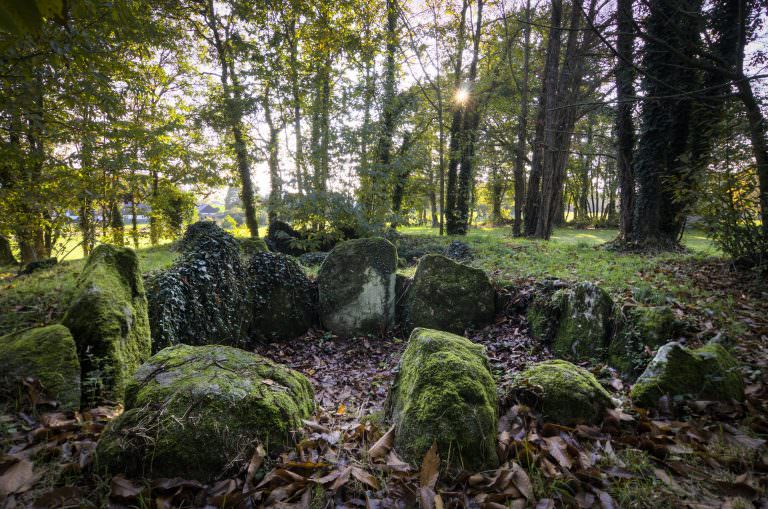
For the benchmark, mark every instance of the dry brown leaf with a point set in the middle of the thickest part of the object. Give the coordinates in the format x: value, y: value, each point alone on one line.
x: 430, y: 468
x: 545, y: 503
x: 256, y: 461
x: 557, y: 447
x: 365, y: 477
x: 522, y: 481
x: 124, y: 489
x: 383, y: 445
x: 427, y: 497
x: 18, y: 477
x: 58, y: 497
x: 342, y: 479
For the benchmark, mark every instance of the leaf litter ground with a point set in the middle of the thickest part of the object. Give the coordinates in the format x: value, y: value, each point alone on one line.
x: 703, y: 455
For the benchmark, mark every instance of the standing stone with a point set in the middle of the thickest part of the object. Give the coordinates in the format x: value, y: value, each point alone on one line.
x: 47, y: 354
x: 449, y: 296
x: 444, y: 393
x: 640, y: 330
x: 108, y: 319
x: 356, y: 283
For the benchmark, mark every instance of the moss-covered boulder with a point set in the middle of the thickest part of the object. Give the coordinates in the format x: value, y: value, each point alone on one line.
x: 108, y: 319
x: 198, y: 412
x: 577, y: 322
x: 47, y: 354
x: 283, y: 238
x: 562, y: 393
x: 356, y: 285
x: 281, y: 297
x: 639, y: 331
x: 707, y: 373
x: 444, y: 392
x: 202, y: 299
x: 252, y: 245
x: 449, y: 296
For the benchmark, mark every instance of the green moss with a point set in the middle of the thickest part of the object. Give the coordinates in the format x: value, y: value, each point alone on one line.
x: 252, y: 245
x: 198, y: 412
x: 356, y: 284
x: 449, y: 296
x: 562, y: 392
x: 444, y: 392
x: 707, y: 373
x: 638, y: 330
x: 47, y: 354
x: 108, y: 320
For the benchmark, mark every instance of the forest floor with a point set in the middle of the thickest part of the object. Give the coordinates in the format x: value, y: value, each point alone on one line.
x: 705, y: 456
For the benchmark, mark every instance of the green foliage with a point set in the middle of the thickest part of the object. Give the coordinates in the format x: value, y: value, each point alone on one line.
x: 229, y: 223
x: 173, y: 208
x: 23, y: 17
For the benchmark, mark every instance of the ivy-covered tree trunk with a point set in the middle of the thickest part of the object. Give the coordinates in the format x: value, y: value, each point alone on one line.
x: 625, y: 129
x: 296, y: 105
x: 387, y: 129
x: 672, y: 29
x: 275, y: 183
x: 116, y: 224
x: 456, y: 132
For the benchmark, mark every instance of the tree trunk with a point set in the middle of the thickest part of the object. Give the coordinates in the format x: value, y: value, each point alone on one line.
x: 757, y: 126
x: 296, y: 104
x: 233, y: 103
x: 625, y: 130
x: 386, y: 132
x: 659, y: 163
x: 548, y: 89
x: 522, y: 126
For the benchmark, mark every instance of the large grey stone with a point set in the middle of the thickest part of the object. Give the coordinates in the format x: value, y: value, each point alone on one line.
x: 356, y: 284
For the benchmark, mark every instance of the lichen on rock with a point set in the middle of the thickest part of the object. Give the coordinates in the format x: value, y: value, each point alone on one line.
x: 108, y: 320
x: 46, y: 354
x: 356, y: 285
x: 640, y: 330
x: 444, y: 393
x: 202, y: 298
x: 281, y: 297
x: 198, y: 412
x: 577, y: 322
x: 252, y: 245
x: 706, y: 373
x: 561, y: 392
x: 449, y: 296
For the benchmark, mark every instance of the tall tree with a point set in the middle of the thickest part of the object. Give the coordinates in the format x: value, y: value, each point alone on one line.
x: 625, y: 130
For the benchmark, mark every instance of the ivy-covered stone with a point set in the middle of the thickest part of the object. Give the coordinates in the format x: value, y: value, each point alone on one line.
x: 561, y: 392
x: 356, y: 285
x: 458, y: 250
x: 198, y: 412
x: 444, y: 393
x: 576, y: 321
x: 639, y: 331
x: 46, y: 354
x: 282, y: 237
x: 31, y: 267
x: 281, y: 297
x: 202, y: 299
x: 108, y: 319
x: 707, y: 373
x: 449, y: 296
x: 313, y: 258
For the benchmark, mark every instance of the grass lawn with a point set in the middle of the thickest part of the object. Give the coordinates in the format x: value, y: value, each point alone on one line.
x: 41, y: 298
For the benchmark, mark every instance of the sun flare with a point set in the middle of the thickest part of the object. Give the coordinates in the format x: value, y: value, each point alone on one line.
x: 461, y: 96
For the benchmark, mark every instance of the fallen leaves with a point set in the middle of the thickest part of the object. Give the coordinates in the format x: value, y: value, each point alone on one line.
x: 17, y: 475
